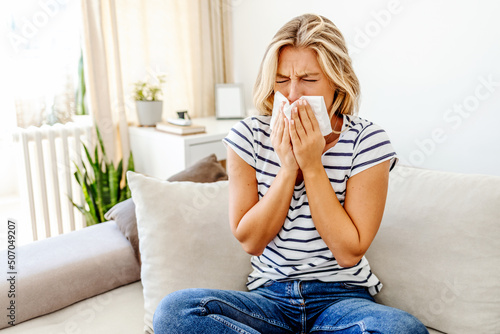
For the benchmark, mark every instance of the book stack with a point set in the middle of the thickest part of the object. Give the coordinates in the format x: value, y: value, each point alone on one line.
x: 180, y: 129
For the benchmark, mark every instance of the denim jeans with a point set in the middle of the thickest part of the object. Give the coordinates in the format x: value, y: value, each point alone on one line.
x: 281, y: 307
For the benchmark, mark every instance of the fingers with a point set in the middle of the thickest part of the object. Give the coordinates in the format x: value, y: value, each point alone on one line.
x: 297, y: 123
x: 286, y: 131
x: 280, y: 135
x: 307, y: 141
x: 304, y: 126
x: 295, y: 128
x: 307, y: 116
x: 284, y: 121
x: 280, y: 138
x: 280, y: 117
x: 278, y: 125
x: 312, y: 117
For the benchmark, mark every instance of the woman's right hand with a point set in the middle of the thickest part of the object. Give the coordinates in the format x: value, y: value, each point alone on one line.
x: 280, y: 139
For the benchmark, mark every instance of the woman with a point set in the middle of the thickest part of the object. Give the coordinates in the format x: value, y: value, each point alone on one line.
x: 306, y: 206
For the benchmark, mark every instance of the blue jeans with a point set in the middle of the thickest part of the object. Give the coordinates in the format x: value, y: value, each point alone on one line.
x: 281, y: 307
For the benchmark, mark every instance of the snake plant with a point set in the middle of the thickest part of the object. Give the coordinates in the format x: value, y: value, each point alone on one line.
x: 102, y: 184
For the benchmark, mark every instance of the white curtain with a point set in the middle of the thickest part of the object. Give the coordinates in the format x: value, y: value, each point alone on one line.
x: 188, y: 40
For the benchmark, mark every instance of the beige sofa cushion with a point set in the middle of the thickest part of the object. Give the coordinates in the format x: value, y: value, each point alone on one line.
x: 120, y: 310
x: 62, y: 270
x: 185, y: 239
x: 438, y: 249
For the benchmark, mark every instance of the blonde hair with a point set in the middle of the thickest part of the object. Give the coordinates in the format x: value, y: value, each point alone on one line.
x: 322, y: 36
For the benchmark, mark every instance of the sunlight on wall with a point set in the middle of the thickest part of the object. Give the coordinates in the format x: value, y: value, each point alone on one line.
x: 428, y: 70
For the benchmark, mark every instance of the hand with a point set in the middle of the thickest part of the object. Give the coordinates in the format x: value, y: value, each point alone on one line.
x: 280, y: 139
x: 307, y: 141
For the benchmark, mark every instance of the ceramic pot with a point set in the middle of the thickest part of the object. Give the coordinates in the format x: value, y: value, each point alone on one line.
x: 149, y: 112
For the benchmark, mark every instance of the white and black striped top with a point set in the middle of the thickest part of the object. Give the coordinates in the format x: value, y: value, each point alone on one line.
x: 298, y: 252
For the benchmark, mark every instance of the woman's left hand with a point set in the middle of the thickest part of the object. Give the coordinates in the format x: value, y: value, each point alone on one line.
x: 307, y: 141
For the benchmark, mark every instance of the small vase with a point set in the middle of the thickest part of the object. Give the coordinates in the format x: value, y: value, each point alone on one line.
x: 149, y: 112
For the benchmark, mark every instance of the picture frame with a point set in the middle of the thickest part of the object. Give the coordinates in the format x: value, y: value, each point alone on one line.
x: 229, y: 101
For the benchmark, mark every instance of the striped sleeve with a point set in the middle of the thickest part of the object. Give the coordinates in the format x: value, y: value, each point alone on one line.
x: 240, y: 139
x: 371, y: 147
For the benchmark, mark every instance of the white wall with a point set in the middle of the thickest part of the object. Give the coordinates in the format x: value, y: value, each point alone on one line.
x: 429, y: 71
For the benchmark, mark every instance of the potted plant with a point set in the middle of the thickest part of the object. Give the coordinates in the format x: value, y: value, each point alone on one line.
x: 103, y: 184
x: 147, y: 96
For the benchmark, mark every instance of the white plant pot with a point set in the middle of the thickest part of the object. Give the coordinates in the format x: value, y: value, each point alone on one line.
x: 149, y: 112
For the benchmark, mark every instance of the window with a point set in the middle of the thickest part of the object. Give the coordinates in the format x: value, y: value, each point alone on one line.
x: 43, y: 52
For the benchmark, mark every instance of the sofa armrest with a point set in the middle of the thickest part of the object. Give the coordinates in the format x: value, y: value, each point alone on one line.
x: 56, y: 272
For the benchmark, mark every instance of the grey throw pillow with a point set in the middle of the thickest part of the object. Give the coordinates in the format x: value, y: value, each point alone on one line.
x: 123, y: 214
x: 204, y: 171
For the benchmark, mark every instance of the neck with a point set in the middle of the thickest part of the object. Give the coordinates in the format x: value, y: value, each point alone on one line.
x: 333, y: 135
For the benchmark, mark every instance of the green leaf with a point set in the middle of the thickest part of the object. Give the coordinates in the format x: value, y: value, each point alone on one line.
x: 89, y: 158
x: 96, y: 163
x: 98, y: 186
x: 81, y: 89
x: 113, y: 184
x: 119, y: 178
x: 83, y: 180
x: 130, y: 164
x: 89, y: 219
x: 101, y: 144
x: 92, y: 201
x: 78, y: 175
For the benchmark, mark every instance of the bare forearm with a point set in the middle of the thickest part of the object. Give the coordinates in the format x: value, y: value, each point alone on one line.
x: 264, y: 220
x: 332, y: 222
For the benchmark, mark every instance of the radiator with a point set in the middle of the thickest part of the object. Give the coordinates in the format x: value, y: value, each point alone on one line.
x: 48, y: 157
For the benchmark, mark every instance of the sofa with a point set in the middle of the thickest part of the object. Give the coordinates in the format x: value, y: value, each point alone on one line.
x: 437, y: 253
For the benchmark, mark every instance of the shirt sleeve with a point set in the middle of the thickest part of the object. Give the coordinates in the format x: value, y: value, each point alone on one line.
x: 372, y: 146
x: 241, y: 140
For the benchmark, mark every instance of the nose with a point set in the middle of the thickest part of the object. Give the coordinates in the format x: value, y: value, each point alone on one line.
x: 294, y: 93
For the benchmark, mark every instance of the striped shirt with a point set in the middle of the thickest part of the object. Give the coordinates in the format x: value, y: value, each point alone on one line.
x: 298, y: 252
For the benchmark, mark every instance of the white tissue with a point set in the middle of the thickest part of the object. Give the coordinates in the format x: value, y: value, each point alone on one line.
x: 317, y: 104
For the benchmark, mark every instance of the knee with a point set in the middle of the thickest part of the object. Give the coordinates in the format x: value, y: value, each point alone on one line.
x: 165, y: 313
x: 407, y: 323
x: 172, y: 308
x: 390, y: 320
